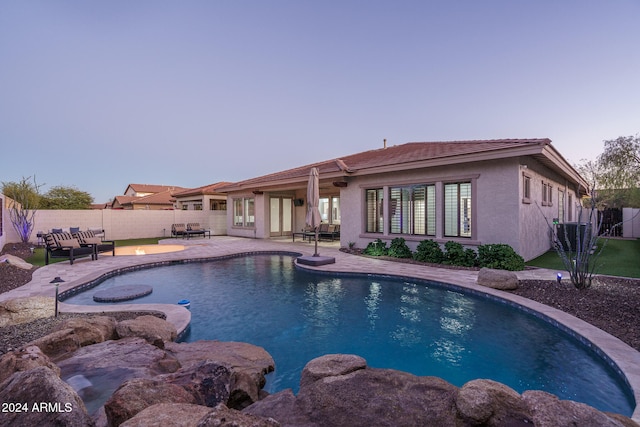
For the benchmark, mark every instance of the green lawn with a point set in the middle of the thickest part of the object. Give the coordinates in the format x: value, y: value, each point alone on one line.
x: 38, y: 254
x: 619, y: 258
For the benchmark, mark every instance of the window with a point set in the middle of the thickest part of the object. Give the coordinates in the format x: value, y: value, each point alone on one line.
x: 570, y: 209
x: 526, y: 188
x: 185, y: 207
x: 457, y: 209
x: 217, y: 205
x: 197, y: 206
x: 374, y: 199
x: 243, y: 212
x: 412, y: 210
x: 560, y: 206
x: 547, y: 194
x: 335, y: 210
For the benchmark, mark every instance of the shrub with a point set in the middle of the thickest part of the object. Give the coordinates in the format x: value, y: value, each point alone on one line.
x: 456, y: 254
x: 499, y: 256
x: 429, y: 251
x: 399, y: 249
x: 376, y: 248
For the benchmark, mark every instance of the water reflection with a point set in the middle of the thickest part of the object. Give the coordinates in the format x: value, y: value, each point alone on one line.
x: 372, y: 303
x: 322, y: 304
x: 456, y: 320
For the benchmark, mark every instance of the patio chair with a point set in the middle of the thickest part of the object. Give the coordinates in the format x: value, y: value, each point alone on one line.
x: 194, y: 229
x: 64, y: 245
x: 89, y: 238
x: 178, y: 230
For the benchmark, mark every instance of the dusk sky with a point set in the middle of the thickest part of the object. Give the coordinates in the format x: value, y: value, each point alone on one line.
x: 100, y: 94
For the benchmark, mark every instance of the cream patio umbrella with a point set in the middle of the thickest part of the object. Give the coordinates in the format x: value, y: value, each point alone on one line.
x: 313, y: 200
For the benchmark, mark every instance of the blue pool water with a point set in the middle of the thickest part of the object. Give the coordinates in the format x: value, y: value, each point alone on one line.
x: 414, y: 326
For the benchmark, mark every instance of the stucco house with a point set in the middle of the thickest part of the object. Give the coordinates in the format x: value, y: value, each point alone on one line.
x: 472, y: 192
x: 147, y: 197
x: 205, y: 198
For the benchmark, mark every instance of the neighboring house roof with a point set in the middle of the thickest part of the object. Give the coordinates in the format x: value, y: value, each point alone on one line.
x: 162, y: 198
x: 150, y: 188
x: 418, y: 155
x: 210, y: 189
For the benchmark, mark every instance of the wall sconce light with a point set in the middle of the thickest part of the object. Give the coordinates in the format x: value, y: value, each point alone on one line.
x: 57, y: 280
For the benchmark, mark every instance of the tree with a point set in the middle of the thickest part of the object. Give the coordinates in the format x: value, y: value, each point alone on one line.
x: 61, y: 197
x: 619, y: 167
x: 25, y: 197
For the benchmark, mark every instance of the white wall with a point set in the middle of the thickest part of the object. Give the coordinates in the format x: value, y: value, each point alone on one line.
x: 5, y: 221
x: 119, y: 224
x: 631, y: 223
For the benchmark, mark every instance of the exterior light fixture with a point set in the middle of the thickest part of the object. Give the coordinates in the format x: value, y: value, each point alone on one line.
x: 57, y: 280
x: 559, y: 277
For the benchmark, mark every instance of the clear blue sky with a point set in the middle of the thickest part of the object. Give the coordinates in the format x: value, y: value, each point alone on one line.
x: 100, y: 94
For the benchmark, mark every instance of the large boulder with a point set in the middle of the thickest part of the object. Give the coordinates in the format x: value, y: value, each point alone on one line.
x: 361, y: 397
x: 16, y: 261
x: 169, y: 415
x: 497, y: 279
x: 26, y: 358
x: 137, y: 394
x: 335, y: 392
x: 486, y: 402
x: 26, y: 309
x: 331, y: 365
x: 42, y: 399
x: 208, y: 382
x: 223, y: 416
x: 75, y: 333
x: 548, y: 410
x: 153, y: 329
x: 248, y: 363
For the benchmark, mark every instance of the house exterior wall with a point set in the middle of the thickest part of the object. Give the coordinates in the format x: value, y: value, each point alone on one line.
x: 536, y: 217
x: 498, y: 214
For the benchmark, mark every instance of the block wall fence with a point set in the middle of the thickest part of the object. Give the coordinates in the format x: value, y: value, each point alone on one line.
x: 117, y: 224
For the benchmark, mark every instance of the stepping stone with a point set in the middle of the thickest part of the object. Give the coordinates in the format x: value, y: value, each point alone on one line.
x: 122, y: 293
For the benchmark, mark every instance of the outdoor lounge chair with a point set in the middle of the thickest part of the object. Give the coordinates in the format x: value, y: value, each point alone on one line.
x: 64, y: 245
x: 178, y: 230
x: 329, y: 231
x: 194, y: 229
x: 89, y: 238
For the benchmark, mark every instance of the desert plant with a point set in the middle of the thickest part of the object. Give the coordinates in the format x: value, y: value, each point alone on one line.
x: 25, y: 197
x: 376, y: 248
x: 499, y: 256
x: 456, y: 254
x: 429, y: 251
x: 399, y: 249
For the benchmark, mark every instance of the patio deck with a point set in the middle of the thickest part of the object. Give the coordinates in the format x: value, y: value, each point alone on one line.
x: 84, y: 270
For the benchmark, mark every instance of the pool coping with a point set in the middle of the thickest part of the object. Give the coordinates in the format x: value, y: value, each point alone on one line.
x: 625, y: 359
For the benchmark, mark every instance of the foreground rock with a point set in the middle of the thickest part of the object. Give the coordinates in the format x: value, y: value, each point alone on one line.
x: 24, y: 359
x: 336, y: 390
x: 497, y: 279
x: 16, y: 261
x: 156, y: 331
x: 75, y: 333
x: 23, y: 310
x: 43, y: 399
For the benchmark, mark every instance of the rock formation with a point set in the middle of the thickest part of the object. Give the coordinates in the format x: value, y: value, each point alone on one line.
x: 497, y: 279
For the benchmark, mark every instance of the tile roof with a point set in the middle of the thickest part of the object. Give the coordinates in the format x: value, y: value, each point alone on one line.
x: 404, y: 154
x: 151, y: 188
x: 205, y: 189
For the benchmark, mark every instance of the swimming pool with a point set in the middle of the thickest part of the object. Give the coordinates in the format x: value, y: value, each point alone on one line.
x: 420, y: 327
